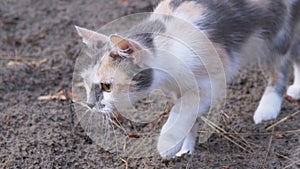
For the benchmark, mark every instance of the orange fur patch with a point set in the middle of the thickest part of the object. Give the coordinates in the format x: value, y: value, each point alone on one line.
x: 116, y: 73
x: 190, y: 11
x: 106, y: 69
x: 163, y: 8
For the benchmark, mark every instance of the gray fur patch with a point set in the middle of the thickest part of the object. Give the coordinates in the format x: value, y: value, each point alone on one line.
x: 97, y: 91
x: 145, y: 32
x: 231, y: 22
x: 143, y: 79
x: 295, y: 51
x: 279, y: 74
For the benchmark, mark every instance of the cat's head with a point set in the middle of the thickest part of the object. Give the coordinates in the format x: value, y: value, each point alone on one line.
x: 117, y: 77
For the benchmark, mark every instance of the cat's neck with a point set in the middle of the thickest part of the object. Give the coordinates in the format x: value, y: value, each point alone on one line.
x: 184, y: 58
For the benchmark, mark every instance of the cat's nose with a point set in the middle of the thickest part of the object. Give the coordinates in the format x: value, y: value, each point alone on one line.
x: 91, y: 105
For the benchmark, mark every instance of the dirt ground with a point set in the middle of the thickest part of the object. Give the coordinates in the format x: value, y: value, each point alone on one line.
x: 38, y: 49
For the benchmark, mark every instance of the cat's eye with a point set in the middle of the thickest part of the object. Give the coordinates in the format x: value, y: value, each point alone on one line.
x: 107, y: 87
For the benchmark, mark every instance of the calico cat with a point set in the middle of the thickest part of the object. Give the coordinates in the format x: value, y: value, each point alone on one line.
x: 240, y: 32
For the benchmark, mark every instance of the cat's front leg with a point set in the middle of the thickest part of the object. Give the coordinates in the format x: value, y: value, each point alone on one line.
x: 270, y: 103
x: 189, y: 141
x: 178, y: 134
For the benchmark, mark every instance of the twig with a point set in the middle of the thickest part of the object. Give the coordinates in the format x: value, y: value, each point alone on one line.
x: 244, y: 141
x: 283, y: 156
x: 222, y: 131
x: 254, y: 134
x: 287, y: 158
x: 282, y: 120
x: 290, y: 165
x: 126, y: 163
x: 118, y: 125
x: 157, y: 123
x: 268, y: 150
x: 152, y: 130
x: 224, y: 114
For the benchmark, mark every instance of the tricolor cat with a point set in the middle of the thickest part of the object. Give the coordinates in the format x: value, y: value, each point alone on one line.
x: 240, y: 31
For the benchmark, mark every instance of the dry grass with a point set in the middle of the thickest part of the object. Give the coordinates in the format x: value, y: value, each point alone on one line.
x: 237, y: 139
x: 282, y: 120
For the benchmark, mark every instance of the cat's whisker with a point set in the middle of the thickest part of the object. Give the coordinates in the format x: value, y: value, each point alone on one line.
x: 103, y: 126
x: 81, y: 108
x: 114, y: 132
x: 81, y: 120
x: 106, y: 128
x: 117, y: 122
x: 84, y: 105
x: 110, y: 126
x: 88, y: 124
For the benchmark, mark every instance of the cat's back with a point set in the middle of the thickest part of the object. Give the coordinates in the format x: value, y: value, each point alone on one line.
x: 168, y: 7
x: 232, y: 22
x: 254, y: 12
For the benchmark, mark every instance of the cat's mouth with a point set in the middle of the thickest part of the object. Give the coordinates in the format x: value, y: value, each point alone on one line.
x: 102, y: 108
x: 112, y: 114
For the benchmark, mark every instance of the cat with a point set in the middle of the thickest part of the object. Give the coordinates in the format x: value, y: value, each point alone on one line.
x: 240, y: 31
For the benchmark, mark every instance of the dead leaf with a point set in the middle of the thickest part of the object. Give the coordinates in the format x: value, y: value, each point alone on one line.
x: 61, y: 95
x: 35, y: 38
x: 278, y: 135
x: 58, y: 96
x: 133, y: 136
x: 14, y: 64
x: 79, y: 84
x: 34, y: 63
x: 31, y: 64
x: 71, y: 94
x: 291, y: 100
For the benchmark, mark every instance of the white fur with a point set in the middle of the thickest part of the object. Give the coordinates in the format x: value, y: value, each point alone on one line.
x: 189, y: 57
x: 269, y: 106
x: 188, y: 146
x: 189, y: 142
x: 178, y: 126
x: 90, y: 76
x: 294, y: 89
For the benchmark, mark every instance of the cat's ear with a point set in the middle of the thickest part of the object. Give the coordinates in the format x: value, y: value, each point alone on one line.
x: 91, y: 38
x: 127, y: 48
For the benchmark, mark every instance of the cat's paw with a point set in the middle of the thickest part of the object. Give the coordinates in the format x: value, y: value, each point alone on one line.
x: 166, y: 151
x: 183, y: 152
x: 269, y: 108
x: 188, y: 145
x: 294, y: 92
